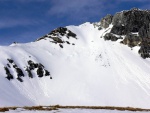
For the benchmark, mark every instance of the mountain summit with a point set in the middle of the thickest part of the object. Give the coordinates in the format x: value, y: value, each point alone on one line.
x: 95, y: 64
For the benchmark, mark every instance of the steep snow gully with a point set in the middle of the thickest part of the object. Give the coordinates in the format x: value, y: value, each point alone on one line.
x: 74, y: 66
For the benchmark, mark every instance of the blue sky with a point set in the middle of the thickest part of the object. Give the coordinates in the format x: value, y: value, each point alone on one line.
x: 26, y: 20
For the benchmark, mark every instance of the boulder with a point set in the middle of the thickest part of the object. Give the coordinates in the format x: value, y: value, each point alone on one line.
x: 40, y: 72
x: 10, y: 61
x: 19, y: 72
x: 70, y: 33
x: 8, y: 65
x: 19, y: 79
x: 47, y: 73
x: 29, y: 72
x: 56, y: 39
x: 9, y: 75
x: 61, y: 45
x: 110, y: 36
x: 32, y: 65
x: 15, y: 66
x: 67, y: 42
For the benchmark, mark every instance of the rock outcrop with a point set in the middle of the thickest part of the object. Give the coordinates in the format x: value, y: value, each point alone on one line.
x: 9, y: 75
x: 106, y: 21
x: 134, y: 24
x: 110, y: 36
x: 57, y: 34
x: 130, y: 21
x: 30, y: 69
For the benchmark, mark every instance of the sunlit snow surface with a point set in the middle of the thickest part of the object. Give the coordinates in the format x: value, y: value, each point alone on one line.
x: 93, y: 72
x: 74, y: 111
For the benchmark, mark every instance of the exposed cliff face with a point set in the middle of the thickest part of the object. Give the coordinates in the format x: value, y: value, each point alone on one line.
x: 134, y: 24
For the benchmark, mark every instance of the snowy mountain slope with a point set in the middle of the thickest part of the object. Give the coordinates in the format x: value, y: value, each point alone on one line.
x: 84, y: 70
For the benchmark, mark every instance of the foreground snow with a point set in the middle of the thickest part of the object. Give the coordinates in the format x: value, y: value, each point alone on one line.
x: 91, y: 72
x: 74, y: 111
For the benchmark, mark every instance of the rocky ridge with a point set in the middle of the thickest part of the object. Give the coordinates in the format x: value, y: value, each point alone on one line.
x: 57, y: 34
x: 132, y: 26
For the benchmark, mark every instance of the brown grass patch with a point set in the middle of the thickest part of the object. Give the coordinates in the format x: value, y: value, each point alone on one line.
x: 7, y: 109
x: 39, y: 108
x: 56, y: 107
x: 4, y: 109
x: 103, y: 107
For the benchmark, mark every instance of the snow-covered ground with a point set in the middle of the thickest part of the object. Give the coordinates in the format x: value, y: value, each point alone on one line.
x: 93, y: 72
x: 74, y: 111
